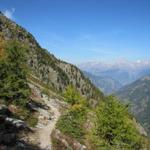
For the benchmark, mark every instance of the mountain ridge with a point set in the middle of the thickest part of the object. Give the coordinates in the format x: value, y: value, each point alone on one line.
x: 137, y: 95
x: 54, y: 72
x: 125, y: 72
x: 105, y: 84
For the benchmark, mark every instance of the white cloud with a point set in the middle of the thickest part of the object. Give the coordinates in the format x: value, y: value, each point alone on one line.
x: 120, y: 63
x: 9, y: 13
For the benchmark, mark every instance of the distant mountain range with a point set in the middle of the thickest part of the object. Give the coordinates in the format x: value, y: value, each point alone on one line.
x: 105, y: 84
x: 111, y: 77
x: 137, y: 95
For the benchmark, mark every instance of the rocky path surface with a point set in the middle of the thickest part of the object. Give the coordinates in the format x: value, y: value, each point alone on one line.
x: 47, y: 118
x: 46, y: 127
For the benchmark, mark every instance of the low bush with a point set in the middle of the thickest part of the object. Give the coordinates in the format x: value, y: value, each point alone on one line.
x: 71, y: 123
x: 114, y: 127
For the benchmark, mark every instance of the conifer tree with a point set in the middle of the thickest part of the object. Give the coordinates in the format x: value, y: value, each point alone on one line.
x: 13, y: 82
x: 115, y: 125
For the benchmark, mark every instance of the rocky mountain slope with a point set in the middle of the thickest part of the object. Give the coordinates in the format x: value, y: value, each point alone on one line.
x: 137, y: 95
x: 31, y: 120
x: 45, y: 66
x: 106, y: 84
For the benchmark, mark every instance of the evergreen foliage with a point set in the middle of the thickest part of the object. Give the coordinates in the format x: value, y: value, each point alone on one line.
x: 71, y: 95
x: 114, y: 126
x: 71, y: 123
x: 13, y: 83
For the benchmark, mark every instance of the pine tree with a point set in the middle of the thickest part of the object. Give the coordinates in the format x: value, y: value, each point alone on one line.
x: 13, y: 82
x: 71, y: 95
x: 115, y: 126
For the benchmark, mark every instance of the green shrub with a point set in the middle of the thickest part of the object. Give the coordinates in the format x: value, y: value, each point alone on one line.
x: 71, y: 95
x: 45, y: 91
x: 71, y: 123
x: 24, y: 114
x: 114, y: 126
x: 13, y: 82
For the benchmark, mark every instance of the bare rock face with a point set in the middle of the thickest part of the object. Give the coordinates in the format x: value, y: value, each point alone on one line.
x: 19, y: 124
x: 8, y: 132
x: 12, y: 132
x: 9, y: 128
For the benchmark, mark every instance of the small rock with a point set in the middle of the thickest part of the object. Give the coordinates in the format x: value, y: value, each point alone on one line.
x: 20, y: 146
x: 33, y: 106
x: 17, y: 123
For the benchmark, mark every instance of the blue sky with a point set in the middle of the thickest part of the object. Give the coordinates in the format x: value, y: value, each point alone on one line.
x: 86, y: 30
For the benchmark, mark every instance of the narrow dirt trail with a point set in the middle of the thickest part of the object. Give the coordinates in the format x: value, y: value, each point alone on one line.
x: 50, y: 117
x: 48, y: 114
